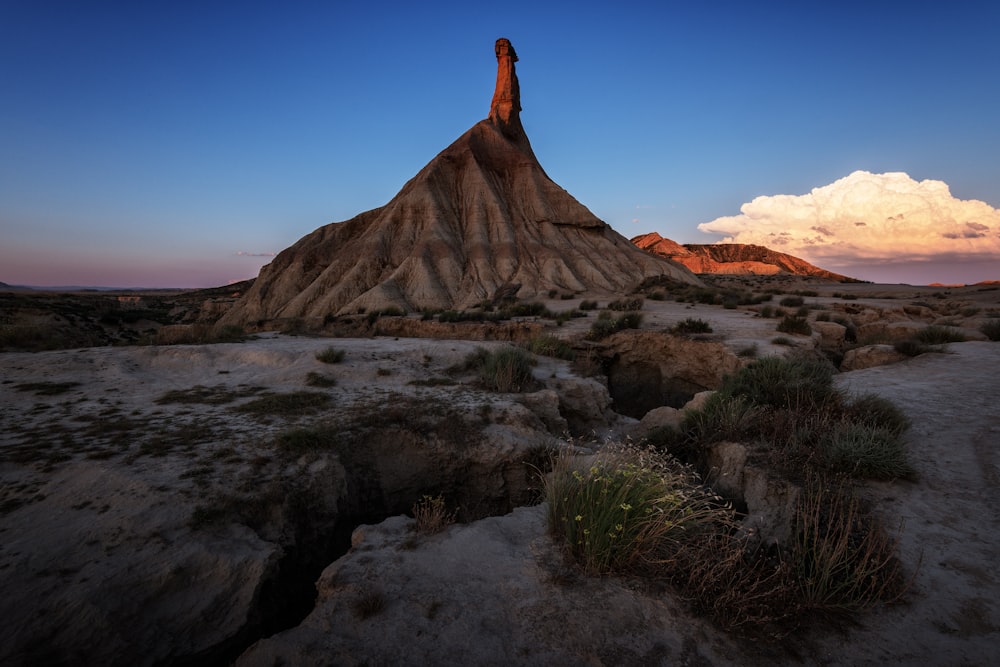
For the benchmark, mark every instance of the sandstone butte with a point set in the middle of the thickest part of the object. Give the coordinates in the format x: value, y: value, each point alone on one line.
x: 480, y: 219
x: 732, y: 258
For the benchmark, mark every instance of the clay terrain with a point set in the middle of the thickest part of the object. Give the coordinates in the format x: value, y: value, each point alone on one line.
x: 168, y: 503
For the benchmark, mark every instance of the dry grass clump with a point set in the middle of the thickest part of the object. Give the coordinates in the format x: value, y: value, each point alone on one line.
x: 845, y: 560
x: 550, y: 346
x: 432, y: 515
x: 794, y: 325
x: 692, y: 325
x: 991, y: 329
x: 629, y: 509
x: 939, y: 335
x: 505, y: 369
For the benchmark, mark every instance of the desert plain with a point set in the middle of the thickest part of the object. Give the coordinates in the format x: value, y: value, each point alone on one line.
x: 251, y: 502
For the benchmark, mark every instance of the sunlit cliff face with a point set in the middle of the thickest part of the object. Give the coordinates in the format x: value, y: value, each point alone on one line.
x: 871, y: 220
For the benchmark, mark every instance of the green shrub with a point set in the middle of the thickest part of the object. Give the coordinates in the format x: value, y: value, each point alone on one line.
x: 865, y: 451
x: 606, y: 324
x: 991, y: 329
x: 550, y: 346
x: 939, y: 335
x: 692, y: 326
x: 723, y: 417
x: 623, y: 305
x: 629, y: 509
x: 878, y: 412
x: 794, y: 325
x: 532, y: 309
x: 780, y: 382
x: 330, y: 356
x: 505, y: 369
x: 791, y: 301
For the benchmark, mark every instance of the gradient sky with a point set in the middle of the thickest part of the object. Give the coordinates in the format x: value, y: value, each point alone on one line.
x: 148, y: 144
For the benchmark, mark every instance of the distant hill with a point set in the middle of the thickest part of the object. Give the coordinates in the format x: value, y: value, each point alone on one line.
x: 732, y: 258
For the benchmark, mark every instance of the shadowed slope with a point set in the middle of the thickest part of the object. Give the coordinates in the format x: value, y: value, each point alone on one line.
x: 480, y: 217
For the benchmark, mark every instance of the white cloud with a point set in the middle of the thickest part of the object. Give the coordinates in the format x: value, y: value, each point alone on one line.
x: 866, y: 218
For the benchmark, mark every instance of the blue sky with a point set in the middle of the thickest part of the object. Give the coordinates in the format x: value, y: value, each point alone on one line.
x: 147, y: 143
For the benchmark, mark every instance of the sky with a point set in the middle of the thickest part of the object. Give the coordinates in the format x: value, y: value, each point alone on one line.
x: 182, y: 144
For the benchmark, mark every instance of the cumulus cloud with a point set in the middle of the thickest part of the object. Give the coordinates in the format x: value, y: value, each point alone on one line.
x: 866, y: 218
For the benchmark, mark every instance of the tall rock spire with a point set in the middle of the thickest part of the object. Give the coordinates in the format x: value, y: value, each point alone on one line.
x: 506, y: 104
x: 505, y: 109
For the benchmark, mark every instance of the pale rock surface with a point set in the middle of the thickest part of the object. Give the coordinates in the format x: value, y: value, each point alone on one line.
x: 496, y: 592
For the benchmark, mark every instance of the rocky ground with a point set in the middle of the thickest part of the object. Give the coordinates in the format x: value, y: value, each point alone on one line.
x: 178, y: 503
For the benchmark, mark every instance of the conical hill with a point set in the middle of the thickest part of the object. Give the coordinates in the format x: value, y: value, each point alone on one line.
x: 481, y: 218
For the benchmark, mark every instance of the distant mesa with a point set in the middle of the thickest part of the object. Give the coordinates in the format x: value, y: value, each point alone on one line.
x: 732, y: 258
x: 481, y: 219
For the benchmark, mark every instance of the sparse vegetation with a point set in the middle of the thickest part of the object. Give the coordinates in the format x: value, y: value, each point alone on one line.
x: 293, y: 404
x: 330, y: 356
x: 607, y: 324
x: 629, y: 509
x: 939, y: 335
x: 588, y: 305
x: 505, y: 369
x: 991, y: 329
x: 551, y: 346
x: 692, y: 326
x: 794, y: 325
x: 314, y: 379
x: 626, y: 305
x: 432, y: 515
x: 791, y: 301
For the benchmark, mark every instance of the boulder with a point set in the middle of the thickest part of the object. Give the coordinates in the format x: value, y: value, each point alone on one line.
x: 870, y: 356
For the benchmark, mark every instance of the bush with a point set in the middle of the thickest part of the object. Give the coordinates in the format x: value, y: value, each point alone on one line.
x: 865, y: 451
x: 991, y: 329
x: 692, y: 326
x: 782, y: 340
x: 878, y: 412
x: 588, y: 305
x: 784, y: 383
x: 630, y: 509
x: 623, y: 305
x: 794, y: 325
x: 607, y: 325
x: 330, y: 356
x: 791, y: 301
x: 506, y: 369
x: 550, y: 346
x: 844, y: 558
x: 767, y: 311
x: 939, y: 335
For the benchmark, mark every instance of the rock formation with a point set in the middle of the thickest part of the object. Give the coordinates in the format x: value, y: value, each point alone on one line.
x: 732, y: 258
x: 480, y: 217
